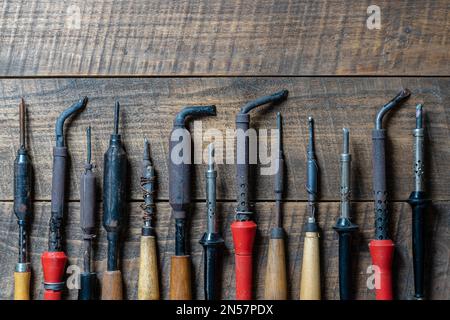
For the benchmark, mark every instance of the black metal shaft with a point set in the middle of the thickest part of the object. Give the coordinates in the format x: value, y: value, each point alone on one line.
x: 243, y: 210
x: 379, y: 167
x: 59, y: 177
x: 22, y: 192
x: 180, y: 166
x: 114, y: 191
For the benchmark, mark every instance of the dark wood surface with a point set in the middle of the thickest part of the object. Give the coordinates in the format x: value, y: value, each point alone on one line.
x: 200, y: 52
x: 215, y: 37
x: 150, y: 105
x: 438, y: 240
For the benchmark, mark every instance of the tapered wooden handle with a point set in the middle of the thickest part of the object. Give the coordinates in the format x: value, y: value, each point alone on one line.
x: 112, y: 285
x: 22, y: 285
x: 180, y: 278
x: 148, y: 283
x: 310, y: 279
x: 276, y: 283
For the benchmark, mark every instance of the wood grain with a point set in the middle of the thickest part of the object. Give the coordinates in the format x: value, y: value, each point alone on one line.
x: 150, y: 105
x: 275, y: 285
x: 215, y: 37
x: 148, y: 281
x: 437, y: 248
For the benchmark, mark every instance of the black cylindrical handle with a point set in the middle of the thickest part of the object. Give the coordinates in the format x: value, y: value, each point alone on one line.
x: 88, y: 286
x: 345, y: 267
x: 419, y: 205
x: 345, y: 228
x: 212, y: 248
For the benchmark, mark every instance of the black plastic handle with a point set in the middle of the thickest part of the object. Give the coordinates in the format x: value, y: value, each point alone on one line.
x: 88, y: 286
x: 345, y: 228
x: 345, y: 266
x: 419, y: 204
x: 212, y: 248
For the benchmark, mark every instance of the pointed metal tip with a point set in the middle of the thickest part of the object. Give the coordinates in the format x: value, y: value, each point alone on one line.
x: 419, y: 116
x: 22, y: 122
x: 211, y: 153
x: 346, y: 134
x: 84, y: 100
x: 88, y: 144
x: 116, y: 117
x: 146, y: 149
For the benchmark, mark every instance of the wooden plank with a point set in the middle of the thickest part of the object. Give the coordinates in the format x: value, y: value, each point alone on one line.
x: 215, y: 37
x: 149, y: 107
x: 438, y: 241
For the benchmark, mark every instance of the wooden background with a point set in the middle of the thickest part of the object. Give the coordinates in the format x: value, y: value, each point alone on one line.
x: 157, y: 56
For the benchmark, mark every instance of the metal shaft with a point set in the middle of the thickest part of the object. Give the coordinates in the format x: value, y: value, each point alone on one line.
x: 22, y: 192
x: 279, y: 176
x: 418, y: 134
x: 345, y: 160
x: 312, y: 173
x: 211, y: 175
x: 148, y: 190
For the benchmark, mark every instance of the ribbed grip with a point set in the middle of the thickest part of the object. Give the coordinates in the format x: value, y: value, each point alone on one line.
x: 212, y: 249
x: 379, y: 184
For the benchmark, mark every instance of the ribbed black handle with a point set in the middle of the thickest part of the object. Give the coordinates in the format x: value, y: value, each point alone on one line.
x: 419, y: 205
x: 88, y: 286
x: 212, y: 248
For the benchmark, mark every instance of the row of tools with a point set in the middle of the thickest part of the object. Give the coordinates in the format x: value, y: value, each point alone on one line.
x: 243, y: 228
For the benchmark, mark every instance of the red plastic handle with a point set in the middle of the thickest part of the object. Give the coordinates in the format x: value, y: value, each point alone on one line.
x: 382, y: 252
x: 53, y: 267
x: 243, y: 238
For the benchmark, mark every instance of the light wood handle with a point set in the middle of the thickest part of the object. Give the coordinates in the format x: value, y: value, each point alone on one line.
x: 180, y: 278
x: 148, y: 283
x: 310, y: 278
x: 276, y: 283
x: 112, y: 285
x: 22, y: 285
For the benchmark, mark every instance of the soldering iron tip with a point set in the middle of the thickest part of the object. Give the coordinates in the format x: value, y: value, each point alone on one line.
x: 146, y: 150
x: 116, y: 117
x: 346, y: 139
x: 419, y: 116
x: 211, y: 153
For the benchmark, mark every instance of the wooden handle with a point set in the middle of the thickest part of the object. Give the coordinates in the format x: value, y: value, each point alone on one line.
x: 112, y: 285
x: 22, y: 285
x: 148, y: 283
x: 310, y: 278
x: 276, y: 284
x: 180, y: 278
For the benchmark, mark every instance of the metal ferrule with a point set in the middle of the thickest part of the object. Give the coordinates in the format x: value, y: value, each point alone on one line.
x: 345, y: 161
x: 22, y: 267
x: 419, y: 159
